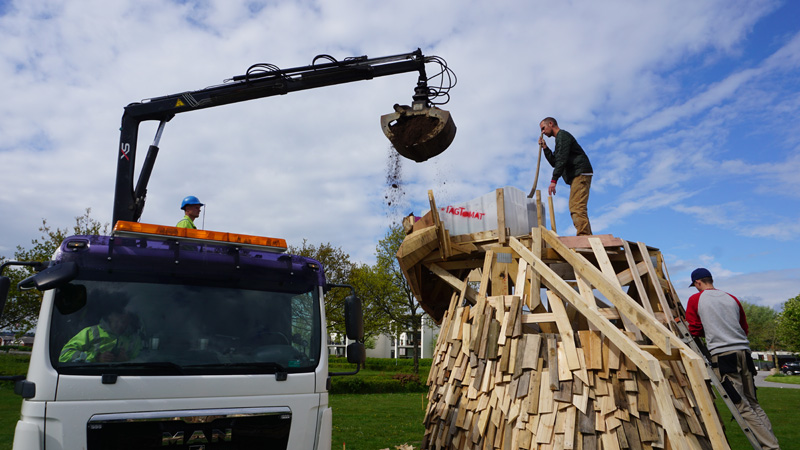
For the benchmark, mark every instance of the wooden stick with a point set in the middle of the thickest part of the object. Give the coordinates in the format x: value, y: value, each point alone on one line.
x: 536, y: 178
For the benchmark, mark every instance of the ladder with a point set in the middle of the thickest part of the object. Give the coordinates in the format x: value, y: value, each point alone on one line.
x: 702, y: 350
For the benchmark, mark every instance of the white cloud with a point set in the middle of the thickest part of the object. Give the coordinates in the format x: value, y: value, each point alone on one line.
x: 313, y: 164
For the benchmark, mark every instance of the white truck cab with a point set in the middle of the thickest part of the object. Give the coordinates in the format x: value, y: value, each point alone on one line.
x: 159, y: 337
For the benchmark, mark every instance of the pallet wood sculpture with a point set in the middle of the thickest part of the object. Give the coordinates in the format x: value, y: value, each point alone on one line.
x: 551, y: 342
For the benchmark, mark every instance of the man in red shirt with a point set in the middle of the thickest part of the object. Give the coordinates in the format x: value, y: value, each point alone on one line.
x: 720, y: 318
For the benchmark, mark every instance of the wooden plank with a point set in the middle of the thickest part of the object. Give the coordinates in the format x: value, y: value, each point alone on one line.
x: 656, y: 331
x: 416, y: 246
x: 608, y: 270
x: 532, y: 347
x: 539, y: 318
x: 454, y: 282
x: 539, y: 210
x: 444, y: 241
x: 651, y: 271
x: 606, y: 240
x: 669, y: 415
x: 552, y: 214
x: 628, y: 275
x: 570, y: 420
x: 552, y: 362
x: 486, y: 273
x: 534, y: 297
x: 643, y: 360
x: 501, y: 216
x: 491, y: 339
x: 695, y: 371
x: 565, y: 329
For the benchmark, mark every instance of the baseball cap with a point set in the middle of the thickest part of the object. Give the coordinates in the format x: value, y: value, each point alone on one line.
x: 698, y: 274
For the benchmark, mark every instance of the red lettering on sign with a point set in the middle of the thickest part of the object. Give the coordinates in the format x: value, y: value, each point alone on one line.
x: 462, y: 212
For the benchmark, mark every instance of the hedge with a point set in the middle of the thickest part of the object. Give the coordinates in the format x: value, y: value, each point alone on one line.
x: 397, y: 383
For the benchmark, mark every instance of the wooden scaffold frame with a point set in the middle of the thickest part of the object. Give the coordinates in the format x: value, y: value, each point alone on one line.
x: 551, y: 342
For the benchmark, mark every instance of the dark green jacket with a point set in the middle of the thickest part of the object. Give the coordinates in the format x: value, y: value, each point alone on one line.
x: 568, y: 160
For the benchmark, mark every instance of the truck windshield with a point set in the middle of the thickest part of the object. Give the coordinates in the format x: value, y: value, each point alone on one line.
x: 174, y: 329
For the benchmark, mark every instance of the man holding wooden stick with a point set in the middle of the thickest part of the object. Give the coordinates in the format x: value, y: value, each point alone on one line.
x: 569, y: 162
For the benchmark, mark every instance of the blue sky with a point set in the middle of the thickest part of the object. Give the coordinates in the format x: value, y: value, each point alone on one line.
x: 688, y: 111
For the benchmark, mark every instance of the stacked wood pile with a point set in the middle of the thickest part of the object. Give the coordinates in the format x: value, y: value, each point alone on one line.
x: 552, y: 342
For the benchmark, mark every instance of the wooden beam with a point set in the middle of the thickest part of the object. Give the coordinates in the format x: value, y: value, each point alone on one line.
x: 606, y: 240
x: 441, y: 233
x: 501, y: 216
x: 534, y: 297
x: 552, y: 214
x: 645, y: 361
x: 565, y: 329
x: 539, y: 209
x: 657, y: 332
x: 655, y: 279
x: 455, y: 283
x: 608, y: 270
x: 636, y: 273
x: 695, y: 370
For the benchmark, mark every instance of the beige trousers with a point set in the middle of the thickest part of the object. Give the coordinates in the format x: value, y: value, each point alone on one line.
x: 578, y: 204
x: 741, y: 378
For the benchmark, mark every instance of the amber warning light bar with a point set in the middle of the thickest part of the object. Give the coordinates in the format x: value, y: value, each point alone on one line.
x: 135, y: 229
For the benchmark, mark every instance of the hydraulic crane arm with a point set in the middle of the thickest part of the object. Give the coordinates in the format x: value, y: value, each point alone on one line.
x: 261, y: 80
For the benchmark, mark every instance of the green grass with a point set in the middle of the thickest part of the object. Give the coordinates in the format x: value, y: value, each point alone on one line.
x: 781, y: 378
x: 781, y: 406
x: 377, y: 421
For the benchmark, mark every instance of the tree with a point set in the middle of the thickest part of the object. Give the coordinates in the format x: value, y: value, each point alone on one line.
x: 22, y: 308
x: 397, y: 301
x: 371, y: 286
x: 761, y: 321
x: 789, y: 324
x: 338, y: 270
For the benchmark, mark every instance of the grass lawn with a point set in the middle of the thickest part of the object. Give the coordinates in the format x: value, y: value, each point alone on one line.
x: 781, y: 406
x: 377, y: 421
x: 780, y: 378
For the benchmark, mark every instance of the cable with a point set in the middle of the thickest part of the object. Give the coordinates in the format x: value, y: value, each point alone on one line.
x: 262, y: 70
x: 447, y: 80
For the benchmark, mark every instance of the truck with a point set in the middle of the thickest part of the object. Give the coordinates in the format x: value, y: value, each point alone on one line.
x: 163, y: 337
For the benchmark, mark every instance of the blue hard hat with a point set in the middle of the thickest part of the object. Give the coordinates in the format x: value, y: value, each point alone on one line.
x: 190, y: 200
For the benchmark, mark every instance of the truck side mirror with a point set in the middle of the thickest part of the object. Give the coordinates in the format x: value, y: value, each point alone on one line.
x: 51, y: 277
x: 353, y: 318
x: 356, y: 353
x: 5, y: 285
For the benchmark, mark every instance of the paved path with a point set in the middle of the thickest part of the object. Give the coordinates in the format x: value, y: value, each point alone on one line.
x: 761, y: 383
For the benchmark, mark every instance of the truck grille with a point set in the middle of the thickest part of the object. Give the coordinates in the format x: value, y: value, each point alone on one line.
x: 207, y: 429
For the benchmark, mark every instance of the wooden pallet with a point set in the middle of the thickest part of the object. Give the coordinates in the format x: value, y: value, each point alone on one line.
x: 552, y: 342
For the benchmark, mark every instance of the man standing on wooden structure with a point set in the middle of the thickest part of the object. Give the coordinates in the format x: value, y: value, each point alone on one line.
x: 569, y: 162
x: 720, y: 317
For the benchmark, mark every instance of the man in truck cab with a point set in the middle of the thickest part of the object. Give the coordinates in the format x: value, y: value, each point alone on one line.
x: 115, y: 338
x: 191, y: 206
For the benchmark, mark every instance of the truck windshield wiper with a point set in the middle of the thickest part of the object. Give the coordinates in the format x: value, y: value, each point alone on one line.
x: 164, y: 367
x: 257, y: 367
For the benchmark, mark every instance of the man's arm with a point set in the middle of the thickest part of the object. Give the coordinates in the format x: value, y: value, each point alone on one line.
x: 561, y: 154
x: 692, y: 318
x: 74, y: 348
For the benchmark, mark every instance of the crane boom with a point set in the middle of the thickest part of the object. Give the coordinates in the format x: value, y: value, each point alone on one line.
x: 259, y: 82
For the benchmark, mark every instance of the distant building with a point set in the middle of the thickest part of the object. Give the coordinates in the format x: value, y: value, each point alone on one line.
x: 10, y: 338
x: 388, y: 346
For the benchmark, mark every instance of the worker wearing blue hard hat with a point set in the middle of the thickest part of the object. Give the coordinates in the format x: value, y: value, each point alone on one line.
x: 191, y: 206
